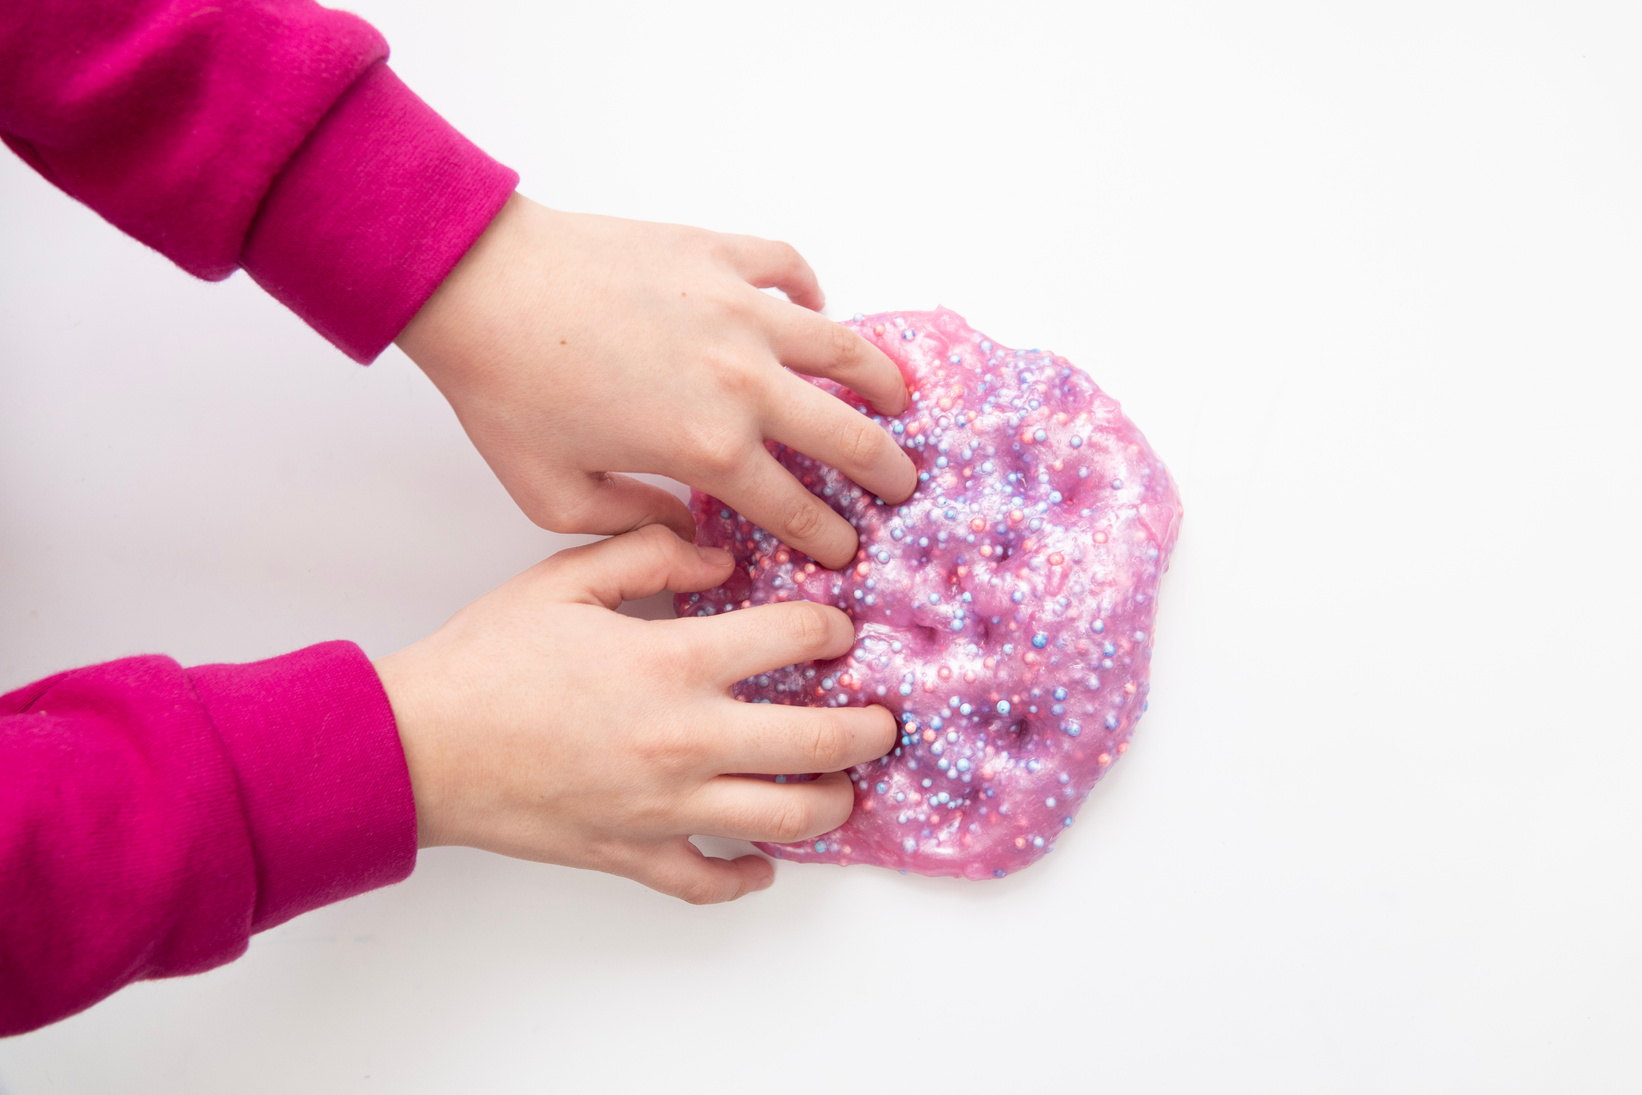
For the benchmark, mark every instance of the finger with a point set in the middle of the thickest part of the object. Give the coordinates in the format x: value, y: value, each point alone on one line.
x: 638, y: 564
x: 810, y: 343
x: 607, y: 505
x: 679, y: 869
x: 757, y: 809
x: 755, y: 640
x: 768, y: 264
x: 772, y: 739
x: 766, y: 493
x: 827, y: 428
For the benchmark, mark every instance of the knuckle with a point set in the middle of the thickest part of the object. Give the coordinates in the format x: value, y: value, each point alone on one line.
x: 573, y: 513
x: 827, y: 745
x: 724, y: 249
x: 697, y: 891
x: 654, y: 534
x: 651, y: 813
x: 791, y: 821
x: 719, y: 451
x: 696, y: 657
x: 721, y: 368
x: 786, y: 255
x: 845, y: 348
x: 864, y: 441
x: 659, y: 542
x: 804, y: 520
x: 811, y: 626
x: 550, y: 512
x: 740, y: 381
x: 733, y: 304
x: 659, y: 547
x: 672, y: 747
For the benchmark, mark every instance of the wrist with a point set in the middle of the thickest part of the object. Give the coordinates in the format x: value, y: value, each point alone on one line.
x: 450, y: 327
x: 406, y: 687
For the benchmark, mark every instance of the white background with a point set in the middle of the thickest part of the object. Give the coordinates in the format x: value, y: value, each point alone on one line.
x: 1368, y: 280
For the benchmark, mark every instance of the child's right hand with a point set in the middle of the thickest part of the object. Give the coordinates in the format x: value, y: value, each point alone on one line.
x: 541, y: 724
x: 574, y: 348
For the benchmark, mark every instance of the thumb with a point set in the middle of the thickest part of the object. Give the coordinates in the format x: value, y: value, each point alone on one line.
x: 640, y: 563
x: 680, y: 869
x: 606, y: 504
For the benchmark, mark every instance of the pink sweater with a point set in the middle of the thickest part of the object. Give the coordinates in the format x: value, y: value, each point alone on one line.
x: 152, y: 817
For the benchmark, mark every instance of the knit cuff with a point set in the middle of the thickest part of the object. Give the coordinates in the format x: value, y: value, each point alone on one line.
x: 321, y: 772
x: 371, y: 213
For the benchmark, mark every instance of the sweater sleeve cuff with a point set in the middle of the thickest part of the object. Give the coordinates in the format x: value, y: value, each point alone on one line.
x: 372, y: 212
x: 321, y: 772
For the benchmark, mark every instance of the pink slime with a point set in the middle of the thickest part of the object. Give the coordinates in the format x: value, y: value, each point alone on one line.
x: 1003, y: 613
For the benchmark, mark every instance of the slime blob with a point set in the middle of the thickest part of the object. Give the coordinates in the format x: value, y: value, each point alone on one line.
x: 1003, y: 613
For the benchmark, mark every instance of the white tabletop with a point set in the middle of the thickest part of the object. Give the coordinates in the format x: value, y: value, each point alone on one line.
x: 1369, y: 282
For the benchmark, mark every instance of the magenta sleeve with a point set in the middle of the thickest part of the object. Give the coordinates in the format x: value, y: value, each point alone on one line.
x: 371, y: 214
x: 152, y: 817
x: 267, y: 134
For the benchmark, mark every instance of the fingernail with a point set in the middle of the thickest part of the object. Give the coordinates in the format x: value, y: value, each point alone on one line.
x: 714, y: 556
x: 912, y: 484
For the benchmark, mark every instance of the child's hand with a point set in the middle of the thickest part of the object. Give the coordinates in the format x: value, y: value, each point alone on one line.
x: 540, y: 724
x: 575, y: 346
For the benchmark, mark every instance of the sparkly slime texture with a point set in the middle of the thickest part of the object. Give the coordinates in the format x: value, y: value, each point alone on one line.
x: 1003, y: 613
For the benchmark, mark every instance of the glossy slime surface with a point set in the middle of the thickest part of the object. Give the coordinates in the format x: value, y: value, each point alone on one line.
x: 1003, y: 613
